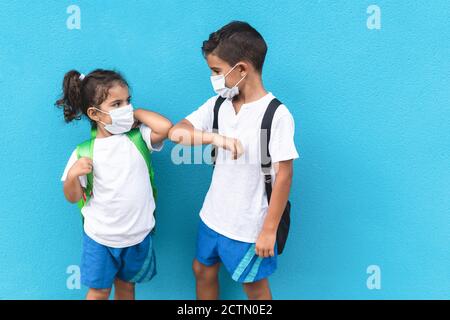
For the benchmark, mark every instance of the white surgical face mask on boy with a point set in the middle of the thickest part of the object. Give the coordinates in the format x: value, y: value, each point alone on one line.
x: 122, y: 119
x: 218, y: 83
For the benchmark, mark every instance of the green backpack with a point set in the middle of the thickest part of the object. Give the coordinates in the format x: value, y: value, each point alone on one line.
x: 86, y: 149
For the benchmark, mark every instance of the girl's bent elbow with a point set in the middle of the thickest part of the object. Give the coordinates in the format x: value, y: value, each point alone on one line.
x: 72, y: 199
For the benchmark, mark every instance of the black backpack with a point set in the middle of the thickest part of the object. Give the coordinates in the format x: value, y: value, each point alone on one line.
x: 266, y: 165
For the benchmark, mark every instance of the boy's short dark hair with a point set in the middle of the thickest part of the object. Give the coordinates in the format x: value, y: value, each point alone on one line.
x: 235, y: 42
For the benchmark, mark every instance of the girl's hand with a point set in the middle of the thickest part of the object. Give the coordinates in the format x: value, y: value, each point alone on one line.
x: 136, y: 123
x: 231, y: 144
x: 81, y: 167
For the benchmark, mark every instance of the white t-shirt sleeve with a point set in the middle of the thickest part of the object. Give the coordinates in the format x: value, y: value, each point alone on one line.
x: 202, y: 118
x: 73, y: 158
x: 146, y: 135
x: 281, y: 145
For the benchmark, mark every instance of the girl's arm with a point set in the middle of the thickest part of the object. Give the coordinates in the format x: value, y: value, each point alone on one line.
x: 72, y: 187
x: 160, y: 125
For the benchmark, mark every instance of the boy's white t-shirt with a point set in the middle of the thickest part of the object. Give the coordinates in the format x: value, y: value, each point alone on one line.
x: 120, y: 212
x: 236, y: 203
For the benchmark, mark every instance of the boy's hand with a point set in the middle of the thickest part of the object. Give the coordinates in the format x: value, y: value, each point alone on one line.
x: 265, y: 245
x: 81, y: 167
x: 231, y: 144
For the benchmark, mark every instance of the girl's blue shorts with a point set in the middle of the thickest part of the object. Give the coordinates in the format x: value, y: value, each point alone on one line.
x: 101, y: 265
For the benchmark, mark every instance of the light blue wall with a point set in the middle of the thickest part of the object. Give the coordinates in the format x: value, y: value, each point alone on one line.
x: 372, y: 115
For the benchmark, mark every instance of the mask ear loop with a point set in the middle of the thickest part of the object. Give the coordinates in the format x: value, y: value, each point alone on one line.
x: 232, y: 70
x: 99, y: 110
x: 239, y: 81
x: 104, y: 124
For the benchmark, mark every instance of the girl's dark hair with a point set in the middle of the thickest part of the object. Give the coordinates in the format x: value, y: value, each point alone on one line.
x: 78, y: 95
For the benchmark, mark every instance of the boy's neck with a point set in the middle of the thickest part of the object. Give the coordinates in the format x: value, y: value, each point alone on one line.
x: 252, y: 90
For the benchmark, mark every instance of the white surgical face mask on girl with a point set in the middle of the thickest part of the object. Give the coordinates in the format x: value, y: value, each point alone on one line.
x: 218, y: 83
x: 122, y: 119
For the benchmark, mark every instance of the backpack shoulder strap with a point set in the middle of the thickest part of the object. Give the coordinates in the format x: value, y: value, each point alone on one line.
x: 86, y: 149
x: 217, y: 105
x: 136, y: 137
x: 266, y: 161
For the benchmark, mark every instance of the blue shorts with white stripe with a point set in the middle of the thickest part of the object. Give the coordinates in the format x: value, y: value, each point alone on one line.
x: 101, y: 265
x: 238, y: 257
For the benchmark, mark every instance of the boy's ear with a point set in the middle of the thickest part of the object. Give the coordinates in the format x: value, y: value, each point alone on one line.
x: 243, y: 68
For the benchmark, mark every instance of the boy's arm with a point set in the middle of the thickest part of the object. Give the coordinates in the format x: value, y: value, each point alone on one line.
x: 280, y: 194
x: 184, y: 133
x: 159, y: 125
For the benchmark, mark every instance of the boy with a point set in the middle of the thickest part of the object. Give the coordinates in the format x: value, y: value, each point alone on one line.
x: 238, y: 228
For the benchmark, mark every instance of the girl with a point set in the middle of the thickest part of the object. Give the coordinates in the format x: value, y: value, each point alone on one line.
x: 118, y: 213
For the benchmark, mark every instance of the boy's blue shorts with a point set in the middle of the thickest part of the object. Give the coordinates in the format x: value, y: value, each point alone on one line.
x: 238, y: 257
x: 100, y: 264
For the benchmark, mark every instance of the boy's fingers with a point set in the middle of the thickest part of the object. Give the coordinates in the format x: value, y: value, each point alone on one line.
x: 239, y: 148
x: 236, y: 151
x: 261, y: 252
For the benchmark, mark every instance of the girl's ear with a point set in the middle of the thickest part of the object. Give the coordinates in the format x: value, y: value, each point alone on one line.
x: 93, y: 114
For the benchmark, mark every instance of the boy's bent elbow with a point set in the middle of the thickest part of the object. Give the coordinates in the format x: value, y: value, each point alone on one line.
x: 177, y: 132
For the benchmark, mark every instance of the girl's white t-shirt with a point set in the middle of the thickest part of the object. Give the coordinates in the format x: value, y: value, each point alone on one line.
x: 120, y: 212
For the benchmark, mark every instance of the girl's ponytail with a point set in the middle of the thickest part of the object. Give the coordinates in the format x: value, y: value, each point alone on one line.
x: 82, y: 92
x: 71, y: 101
